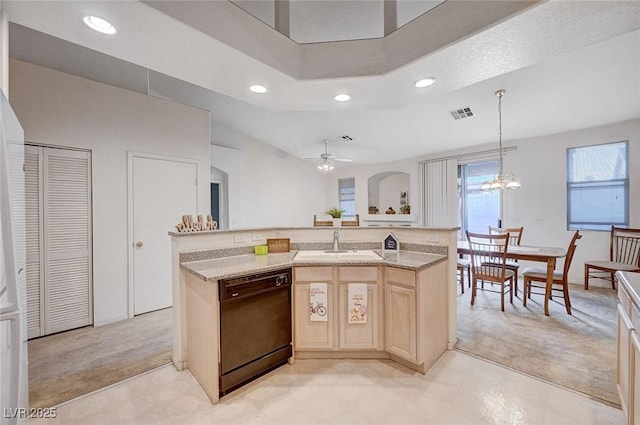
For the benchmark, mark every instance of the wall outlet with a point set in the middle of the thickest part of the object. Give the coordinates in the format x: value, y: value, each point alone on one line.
x: 241, y: 239
x: 539, y: 220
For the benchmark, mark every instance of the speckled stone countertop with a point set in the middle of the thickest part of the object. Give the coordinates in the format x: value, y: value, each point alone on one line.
x: 264, y: 229
x: 631, y: 282
x: 226, y: 267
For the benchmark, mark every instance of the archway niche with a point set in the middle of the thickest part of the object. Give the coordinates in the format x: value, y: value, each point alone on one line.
x: 388, y: 189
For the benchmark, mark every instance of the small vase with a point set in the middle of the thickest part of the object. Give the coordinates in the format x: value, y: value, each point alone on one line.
x: 337, y: 222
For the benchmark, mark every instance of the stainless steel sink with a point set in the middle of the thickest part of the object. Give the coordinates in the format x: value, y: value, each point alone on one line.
x: 336, y: 256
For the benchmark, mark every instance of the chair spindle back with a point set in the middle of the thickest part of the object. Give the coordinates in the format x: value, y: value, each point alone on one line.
x: 488, y: 255
x: 625, y: 245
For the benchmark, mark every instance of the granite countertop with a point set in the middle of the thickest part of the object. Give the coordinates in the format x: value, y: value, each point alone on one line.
x: 226, y: 267
x: 631, y: 282
x: 265, y: 229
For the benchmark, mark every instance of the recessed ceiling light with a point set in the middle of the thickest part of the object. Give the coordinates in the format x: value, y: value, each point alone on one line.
x: 424, y: 82
x: 342, y: 97
x: 99, y: 24
x: 257, y: 88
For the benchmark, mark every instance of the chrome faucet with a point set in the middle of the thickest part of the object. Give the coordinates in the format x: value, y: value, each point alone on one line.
x: 336, y: 240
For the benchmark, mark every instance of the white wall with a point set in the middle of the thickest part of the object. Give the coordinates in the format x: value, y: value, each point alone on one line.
x: 267, y: 187
x: 540, y: 206
x: 389, y: 189
x: 63, y: 110
x: 540, y: 163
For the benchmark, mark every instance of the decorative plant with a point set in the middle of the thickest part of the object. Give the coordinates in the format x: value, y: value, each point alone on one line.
x: 334, y: 212
x: 405, y: 209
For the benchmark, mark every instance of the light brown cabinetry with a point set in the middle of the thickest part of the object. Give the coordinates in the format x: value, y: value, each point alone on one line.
x: 360, y: 336
x: 310, y: 335
x: 400, y: 321
x: 634, y: 405
x: 415, y: 315
x: 406, y: 314
x: 336, y: 333
x: 628, y: 357
x: 625, y: 328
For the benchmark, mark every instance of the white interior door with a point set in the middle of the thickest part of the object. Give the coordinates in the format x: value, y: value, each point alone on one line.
x: 162, y: 191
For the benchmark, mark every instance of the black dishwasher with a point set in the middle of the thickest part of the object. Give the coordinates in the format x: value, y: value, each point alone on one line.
x: 255, y: 326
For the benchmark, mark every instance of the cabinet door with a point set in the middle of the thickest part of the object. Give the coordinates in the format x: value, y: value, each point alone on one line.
x: 625, y: 328
x: 634, y: 407
x: 400, y: 321
x: 359, y: 336
x: 310, y: 335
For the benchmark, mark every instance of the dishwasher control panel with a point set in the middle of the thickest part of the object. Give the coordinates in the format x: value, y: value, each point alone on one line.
x: 250, y: 285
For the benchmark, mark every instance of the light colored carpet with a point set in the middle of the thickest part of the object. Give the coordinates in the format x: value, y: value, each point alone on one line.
x: 69, y: 364
x: 577, y: 352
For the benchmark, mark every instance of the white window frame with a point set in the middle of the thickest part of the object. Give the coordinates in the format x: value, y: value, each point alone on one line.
x: 573, y: 185
x: 343, y: 198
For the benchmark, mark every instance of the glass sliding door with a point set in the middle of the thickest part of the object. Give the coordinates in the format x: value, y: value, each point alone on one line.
x: 477, y: 209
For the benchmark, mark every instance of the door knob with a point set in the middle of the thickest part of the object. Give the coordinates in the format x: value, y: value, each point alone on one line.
x: 139, y: 244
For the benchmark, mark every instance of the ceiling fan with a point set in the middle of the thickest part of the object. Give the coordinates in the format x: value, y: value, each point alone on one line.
x: 327, y: 159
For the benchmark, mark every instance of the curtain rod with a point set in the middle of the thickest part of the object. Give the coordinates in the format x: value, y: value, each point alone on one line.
x: 470, y: 155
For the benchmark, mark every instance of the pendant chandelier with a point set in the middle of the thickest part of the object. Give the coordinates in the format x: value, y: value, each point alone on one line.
x: 502, y: 180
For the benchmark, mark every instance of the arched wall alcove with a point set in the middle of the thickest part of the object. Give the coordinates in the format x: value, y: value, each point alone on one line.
x: 386, y: 189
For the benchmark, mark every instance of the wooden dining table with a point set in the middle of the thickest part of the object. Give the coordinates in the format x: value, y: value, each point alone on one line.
x: 541, y: 254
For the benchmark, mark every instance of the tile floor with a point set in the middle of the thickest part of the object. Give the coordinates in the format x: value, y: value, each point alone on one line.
x: 459, y: 389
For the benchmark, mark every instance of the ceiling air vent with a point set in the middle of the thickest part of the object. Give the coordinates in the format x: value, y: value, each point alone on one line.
x: 458, y: 114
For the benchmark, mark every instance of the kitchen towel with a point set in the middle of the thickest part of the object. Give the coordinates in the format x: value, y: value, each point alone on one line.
x: 318, y: 311
x: 357, y: 294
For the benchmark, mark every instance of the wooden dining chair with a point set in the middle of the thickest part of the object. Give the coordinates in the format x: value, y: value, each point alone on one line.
x: 351, y: 221
x: 624, y: 254
x: 488, y: 263
x: 515, y: 236
x: 321, y: 223
x: 560, y: 278
x: 464, y: 265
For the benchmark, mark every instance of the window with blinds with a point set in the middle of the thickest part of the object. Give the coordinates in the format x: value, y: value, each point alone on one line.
x: 598, y: 186
x: 347, y: 191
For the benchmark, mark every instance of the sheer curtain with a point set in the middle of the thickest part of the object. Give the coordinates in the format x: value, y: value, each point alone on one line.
x: 440, y: 183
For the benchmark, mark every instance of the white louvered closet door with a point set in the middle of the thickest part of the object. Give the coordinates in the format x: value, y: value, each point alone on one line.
x: 33, y: 220
x: 58, y: 239
x: 67, y: 239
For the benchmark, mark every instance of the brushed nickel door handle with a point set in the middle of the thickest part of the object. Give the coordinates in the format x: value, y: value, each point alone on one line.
x: 139, y: 244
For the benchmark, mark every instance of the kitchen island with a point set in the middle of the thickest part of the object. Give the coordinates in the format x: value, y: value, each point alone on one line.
x: 408, y: 293
x: 628, y: 344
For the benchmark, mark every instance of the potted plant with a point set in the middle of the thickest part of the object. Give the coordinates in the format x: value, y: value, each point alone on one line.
x: 405, y: 209
x: 336, y: 213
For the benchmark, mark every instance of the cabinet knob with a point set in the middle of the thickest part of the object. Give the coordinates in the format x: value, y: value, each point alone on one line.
x: 139, y: 244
